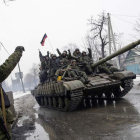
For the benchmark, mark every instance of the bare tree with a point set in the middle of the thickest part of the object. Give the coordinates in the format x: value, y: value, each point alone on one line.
x: 92, y: 44
x: 99, y: 32
x: 70, y: 46
x: 35, y: 71
x: 28, y: 81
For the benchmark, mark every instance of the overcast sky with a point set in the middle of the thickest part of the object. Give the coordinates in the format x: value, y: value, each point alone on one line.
x: 24, y: 22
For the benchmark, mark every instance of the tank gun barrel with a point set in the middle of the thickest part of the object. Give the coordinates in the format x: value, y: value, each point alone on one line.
x: 122, y: 50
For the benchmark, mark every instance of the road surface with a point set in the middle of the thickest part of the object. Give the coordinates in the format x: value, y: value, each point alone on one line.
x: 104, y: 120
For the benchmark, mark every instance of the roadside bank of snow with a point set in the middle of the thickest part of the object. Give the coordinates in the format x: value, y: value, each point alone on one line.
x: 137, y: 82
x: 20, y: 94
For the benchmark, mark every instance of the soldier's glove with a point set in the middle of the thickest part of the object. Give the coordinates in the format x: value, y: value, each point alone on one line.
x: 20, y: 49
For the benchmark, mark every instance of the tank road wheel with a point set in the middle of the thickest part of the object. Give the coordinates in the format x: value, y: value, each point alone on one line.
x: 108, y: 94
x: 60, y: 102
x: 55, y: 102
x: 117, y: 92
x: 38, y: 100
x: 42, y: 100
x: 67, y: 102
x: 50, y: 101
x: 100, y: 95
x: 46, y: 101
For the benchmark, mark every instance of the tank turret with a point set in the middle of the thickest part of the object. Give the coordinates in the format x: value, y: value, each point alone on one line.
x: 121, y: 51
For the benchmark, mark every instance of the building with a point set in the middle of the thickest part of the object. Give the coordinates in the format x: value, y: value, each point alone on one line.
x: 132, y: 61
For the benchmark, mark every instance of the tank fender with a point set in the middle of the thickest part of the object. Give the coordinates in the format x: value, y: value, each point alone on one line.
x: 73, y: 85
x: 124, y: 75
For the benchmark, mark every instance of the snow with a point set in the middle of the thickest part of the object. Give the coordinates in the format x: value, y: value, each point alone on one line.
x: 20, y: 94
x: 137, y: 78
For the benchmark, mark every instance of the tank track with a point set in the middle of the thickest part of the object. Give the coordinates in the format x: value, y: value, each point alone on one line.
x: 116, y: 92
x: 127, y: 86
x: 63, y: 103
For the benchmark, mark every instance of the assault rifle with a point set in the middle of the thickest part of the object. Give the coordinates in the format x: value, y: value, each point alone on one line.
x: 4, y: 129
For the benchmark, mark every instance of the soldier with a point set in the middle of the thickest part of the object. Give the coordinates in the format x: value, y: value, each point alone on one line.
x: 65, y: 58
x: 86, y: 60
x: 77, y: 53
x: 61, y: 69
x: 45, y: 64
x: 60, y: 52
x: 40, y: 55
x: 75, y: 72
x: 5, y: 70
x: 107, y: 67
x: 54, y: 65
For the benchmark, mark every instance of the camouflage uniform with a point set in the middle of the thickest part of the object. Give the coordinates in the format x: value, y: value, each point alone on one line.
x: 86, y: 60
x: 61, y: 69
x: 77, y: 54
x: 54, y: 65
x: 75, y: 72
x: 44, y: 69
x: 107, y: 68
x: 40, y: 55
x: 5, y: 70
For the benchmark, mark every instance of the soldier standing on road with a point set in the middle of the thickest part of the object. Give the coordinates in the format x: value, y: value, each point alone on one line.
x: 5, y: 113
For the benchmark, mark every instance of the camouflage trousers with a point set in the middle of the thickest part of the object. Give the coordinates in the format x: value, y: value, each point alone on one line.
x: 9, y: 119
x: 81, y: 74
x: 107, y: 70
x: 43, y: 76
x: 88, y: 68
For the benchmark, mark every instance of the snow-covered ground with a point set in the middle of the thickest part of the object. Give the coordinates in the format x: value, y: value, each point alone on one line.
x: 20, y: 94
x: 137, y: 82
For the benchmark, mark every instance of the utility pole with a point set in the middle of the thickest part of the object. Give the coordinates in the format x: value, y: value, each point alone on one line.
x: 21, y: 79
x: 113, y: 39
x: 109, y: 39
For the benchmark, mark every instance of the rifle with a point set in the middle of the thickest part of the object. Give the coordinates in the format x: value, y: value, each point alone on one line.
x: 3, y: 122
x: 4, y: 129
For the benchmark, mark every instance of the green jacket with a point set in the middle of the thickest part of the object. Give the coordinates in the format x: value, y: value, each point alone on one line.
x: 106, y: 64
x: 9, y: 65
x: 77, y: 54
x: 75, y: 67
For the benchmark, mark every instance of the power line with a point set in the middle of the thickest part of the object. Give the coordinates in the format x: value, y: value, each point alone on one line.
x: 4, y: 48
x: 125, y: 15
x: 124, y: 20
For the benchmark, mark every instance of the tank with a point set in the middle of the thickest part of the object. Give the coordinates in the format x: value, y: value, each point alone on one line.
x: 67, y: 94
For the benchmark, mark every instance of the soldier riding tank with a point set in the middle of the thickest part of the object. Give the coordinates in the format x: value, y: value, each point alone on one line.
x: 67, y: 94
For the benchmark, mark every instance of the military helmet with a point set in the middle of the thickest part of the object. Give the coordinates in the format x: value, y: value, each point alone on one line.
x: 65, y: 51
x: 83, y: 52
x: 61, y: 61
x: 73, y: 60
x: 54, y: 55
x: 76, y: 49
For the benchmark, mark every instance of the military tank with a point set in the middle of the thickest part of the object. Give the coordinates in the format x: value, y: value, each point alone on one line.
x: 67, y: 94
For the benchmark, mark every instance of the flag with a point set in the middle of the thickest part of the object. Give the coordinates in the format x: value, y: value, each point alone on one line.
x: 43, y: 39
